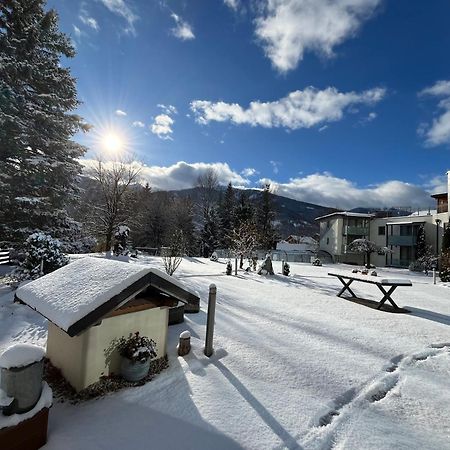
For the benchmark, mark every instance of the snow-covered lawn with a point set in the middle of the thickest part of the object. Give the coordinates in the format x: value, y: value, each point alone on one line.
x: 294, y: 367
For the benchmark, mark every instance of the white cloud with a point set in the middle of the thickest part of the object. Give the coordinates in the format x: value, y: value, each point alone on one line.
x: 119, y: 112
x: 77, y: 31
x: 138, y: 124
x: 249, y: 172
x: 233, y: 4
x: 275, y: 166
x: 328, y: 190
x: 182, y: 29
x: 122, y: 9
x: 438, y: 133
x: 162, y: 126
x: 87, y: 19
x: 182, y: 175
x: 299, y: 109
x: 289, y: 28
x: 168, y: 109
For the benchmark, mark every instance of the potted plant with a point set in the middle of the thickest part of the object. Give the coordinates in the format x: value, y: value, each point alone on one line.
x: 136, y: 352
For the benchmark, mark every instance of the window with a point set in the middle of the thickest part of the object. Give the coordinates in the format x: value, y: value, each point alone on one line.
x: 381, y: 231
x: 405, y: 230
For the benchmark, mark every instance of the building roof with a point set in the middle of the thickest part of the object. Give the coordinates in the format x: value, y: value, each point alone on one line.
x: 294, y: 239
x: 443, y: 195
x: 81, y: 293
x: 346, y: 214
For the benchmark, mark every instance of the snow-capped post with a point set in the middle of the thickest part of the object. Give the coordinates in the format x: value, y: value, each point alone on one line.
x: 210, y: 320
x: 184, y: 346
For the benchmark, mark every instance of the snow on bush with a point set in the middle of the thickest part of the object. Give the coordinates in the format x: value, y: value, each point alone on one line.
x: 40, y: 249
x: 121, y: 236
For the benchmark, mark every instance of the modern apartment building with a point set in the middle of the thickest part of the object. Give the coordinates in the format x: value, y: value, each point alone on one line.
x: 399, y: 234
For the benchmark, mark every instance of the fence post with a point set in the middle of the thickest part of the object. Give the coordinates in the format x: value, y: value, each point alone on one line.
x: 210, y: 320
x: 235, y: 266
x: 434, y: 275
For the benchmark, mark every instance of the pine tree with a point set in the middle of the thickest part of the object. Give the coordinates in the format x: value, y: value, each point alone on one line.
x: 244, y: 212
x: 37, y: 156
x: 421, y: 247
x: 227, y: 216
x: 446, y: 239
x: 265, y: 217
x: 444, y: 273
x: 210, y: 233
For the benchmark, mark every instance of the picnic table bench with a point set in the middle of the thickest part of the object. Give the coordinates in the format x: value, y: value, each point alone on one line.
x: 391, y: 283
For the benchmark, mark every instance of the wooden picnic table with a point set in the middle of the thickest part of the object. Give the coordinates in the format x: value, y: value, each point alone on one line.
x: 391, y: 283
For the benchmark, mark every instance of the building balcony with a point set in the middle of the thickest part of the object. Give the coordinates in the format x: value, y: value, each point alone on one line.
x: 356, y: 231
x: 442, y: 208
x: 407, y: 241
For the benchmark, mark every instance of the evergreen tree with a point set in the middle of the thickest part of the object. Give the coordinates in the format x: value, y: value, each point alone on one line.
x: 445, y: 256
x: 227, y: 216
x: 421, y: 247
x: 244, y: 212
x: 210, y: 233
x: 265, y: 217
x: 37, y: 156
x: 446, y: 240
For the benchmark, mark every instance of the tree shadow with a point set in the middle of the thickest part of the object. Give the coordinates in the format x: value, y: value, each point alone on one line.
x: 429, y: 315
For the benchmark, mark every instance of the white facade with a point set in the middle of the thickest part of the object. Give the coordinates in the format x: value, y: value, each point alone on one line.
x: 399, y: 234
x: 83, y: 359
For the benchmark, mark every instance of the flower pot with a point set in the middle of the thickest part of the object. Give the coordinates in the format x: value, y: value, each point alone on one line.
x: 134, y: 371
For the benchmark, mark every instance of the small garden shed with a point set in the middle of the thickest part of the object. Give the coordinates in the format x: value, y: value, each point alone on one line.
x: 92, y: 302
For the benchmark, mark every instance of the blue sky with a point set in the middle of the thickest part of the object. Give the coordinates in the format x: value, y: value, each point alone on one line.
x: 343, y: 103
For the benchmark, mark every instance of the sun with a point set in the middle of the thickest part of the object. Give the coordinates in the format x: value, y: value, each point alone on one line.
x: 112, y: 142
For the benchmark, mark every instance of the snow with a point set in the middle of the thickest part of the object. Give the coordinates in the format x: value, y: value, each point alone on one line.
x: 68, y: 294
x: 45, y: 401
x: 185, y: 335
x: 21, y: 355
x: 371, y: 278
x: 293, y: 367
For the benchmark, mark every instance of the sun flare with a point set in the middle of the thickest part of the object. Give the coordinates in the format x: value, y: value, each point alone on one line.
x: 112, y: 142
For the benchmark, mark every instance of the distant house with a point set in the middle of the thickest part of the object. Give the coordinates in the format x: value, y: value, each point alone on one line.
x: 398, y: 233
x: 92, y: 302
x: 295, y: 243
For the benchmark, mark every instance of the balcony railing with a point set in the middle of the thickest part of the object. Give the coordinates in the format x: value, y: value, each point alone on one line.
x: 402, y: 240
x: 356, y: 231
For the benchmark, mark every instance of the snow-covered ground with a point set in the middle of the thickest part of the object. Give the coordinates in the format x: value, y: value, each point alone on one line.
x: 294, y: 367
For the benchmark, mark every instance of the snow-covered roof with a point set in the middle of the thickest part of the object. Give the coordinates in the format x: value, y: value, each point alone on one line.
x: 346, y: 214
x: 79, y: 294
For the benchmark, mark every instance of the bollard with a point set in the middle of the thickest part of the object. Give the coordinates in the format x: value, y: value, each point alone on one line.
x: 184, y: 346
x: 235, y: 266
x: 434, y: 276
x: 210, y: 320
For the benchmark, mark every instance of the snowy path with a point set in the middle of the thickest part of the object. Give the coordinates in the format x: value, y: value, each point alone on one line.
x: 294, y: 367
